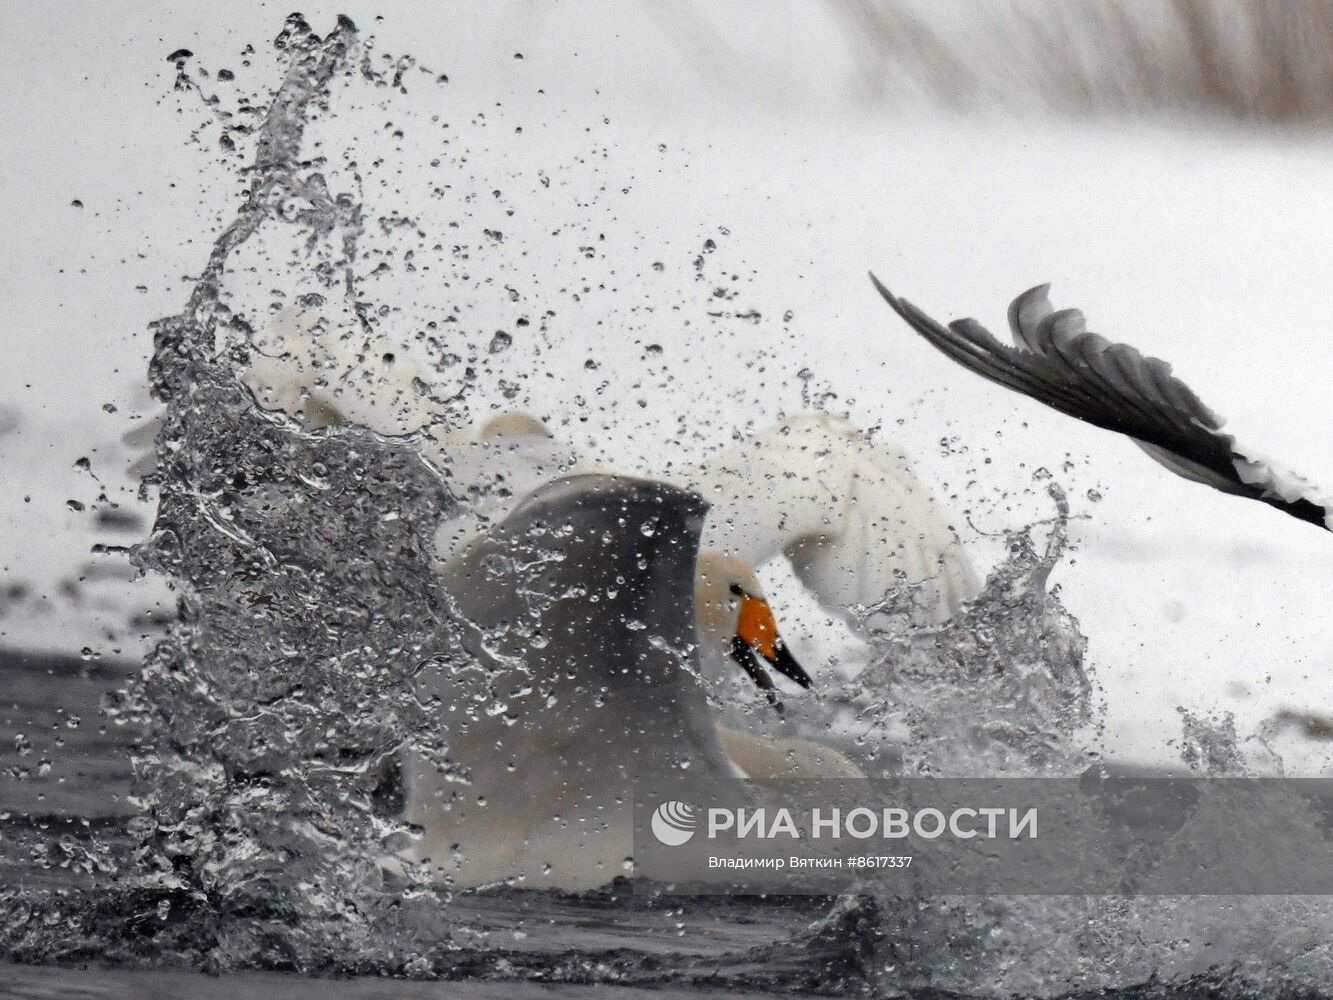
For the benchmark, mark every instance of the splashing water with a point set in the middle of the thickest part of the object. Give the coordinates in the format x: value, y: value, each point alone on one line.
x: 302, y: 558
x: 1002, y: 688
x: 306, y: 605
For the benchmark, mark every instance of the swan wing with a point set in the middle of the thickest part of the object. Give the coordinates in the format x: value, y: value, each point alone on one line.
x: 320, y: 374
x: 847, y: 511
x: 584, y: 675
x: 301, y: 366
x: 1057, y: 361
x: 493, y: 476
x: 306, y: 366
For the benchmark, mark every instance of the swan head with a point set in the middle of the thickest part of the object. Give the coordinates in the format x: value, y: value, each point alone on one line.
x: 736, y: 621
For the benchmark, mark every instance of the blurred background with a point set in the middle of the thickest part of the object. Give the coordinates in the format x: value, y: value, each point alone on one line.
x: 1166, y: 164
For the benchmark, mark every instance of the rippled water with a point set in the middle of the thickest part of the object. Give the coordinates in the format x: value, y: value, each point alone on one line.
x: 227, y: 807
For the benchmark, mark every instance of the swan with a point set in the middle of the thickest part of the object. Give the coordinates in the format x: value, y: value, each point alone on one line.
x: 569, y: 693
x: 845, y: 510
x: 1057, y: 361
x: 583, y: 685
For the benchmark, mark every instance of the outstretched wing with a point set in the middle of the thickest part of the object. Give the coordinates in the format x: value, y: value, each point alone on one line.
x: 494, y: 473
x: 1057, y: 361
x: 848, y: 512
x: 303, y: 365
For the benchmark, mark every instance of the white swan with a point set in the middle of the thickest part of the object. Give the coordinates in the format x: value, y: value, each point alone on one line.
x: 1057, y: 361
x: 571, y: 693
x: 583, y: 687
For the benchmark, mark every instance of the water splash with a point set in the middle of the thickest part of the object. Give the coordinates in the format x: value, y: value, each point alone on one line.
x: 1003, y: 688
x: 302, y: 560
x: 307, y: 603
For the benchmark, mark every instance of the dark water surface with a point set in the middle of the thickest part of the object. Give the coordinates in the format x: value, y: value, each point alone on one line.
x: 64, y: 809
x: 29, y: 983
x: 62, y: 757
x: 65, y: 823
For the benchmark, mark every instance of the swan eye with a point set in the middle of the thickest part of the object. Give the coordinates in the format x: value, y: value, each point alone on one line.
x: 735, y: 588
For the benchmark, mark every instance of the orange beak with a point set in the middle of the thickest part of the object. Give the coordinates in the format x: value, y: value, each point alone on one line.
x: 757, y: 635
x: 757, y: 626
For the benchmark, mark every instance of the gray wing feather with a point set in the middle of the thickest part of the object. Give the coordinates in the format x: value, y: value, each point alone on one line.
x: 1057, y: 361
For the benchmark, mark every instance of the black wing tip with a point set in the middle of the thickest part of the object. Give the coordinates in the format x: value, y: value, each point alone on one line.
x: 1303, y: 509
x: 909, y: 313
x: 883, y: 290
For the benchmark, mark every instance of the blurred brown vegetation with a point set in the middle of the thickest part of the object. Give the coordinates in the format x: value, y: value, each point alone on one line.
x: 1254, y: 60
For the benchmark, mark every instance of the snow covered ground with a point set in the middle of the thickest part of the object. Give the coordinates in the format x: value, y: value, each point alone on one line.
x: 1200, y: 242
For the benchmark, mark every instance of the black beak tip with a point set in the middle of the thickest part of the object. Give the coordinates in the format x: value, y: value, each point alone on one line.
x: 786, y: 665
x: 783, y: 662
